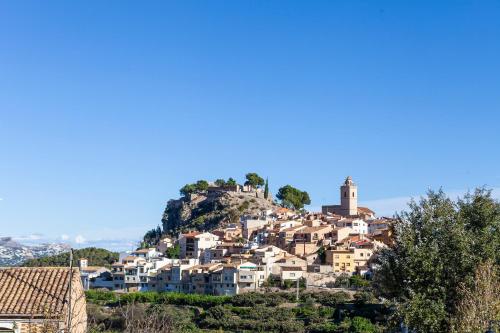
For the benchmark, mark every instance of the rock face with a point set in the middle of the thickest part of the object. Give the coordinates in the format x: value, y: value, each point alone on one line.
x: 206, y: 212
x: 13, y: 253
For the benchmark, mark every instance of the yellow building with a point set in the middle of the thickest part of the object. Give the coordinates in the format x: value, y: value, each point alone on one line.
x: 342, y: 261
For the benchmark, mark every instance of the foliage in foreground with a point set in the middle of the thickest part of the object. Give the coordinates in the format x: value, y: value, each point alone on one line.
x: 439, y: 246
x: 251, y: 312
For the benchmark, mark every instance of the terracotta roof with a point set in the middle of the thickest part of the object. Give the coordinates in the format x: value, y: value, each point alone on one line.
x: 291, y: 268
x: 191, y: 234
x: 142, y: 251
x: 313, y: 229
x: 365, y: 210
x: 37, y: 292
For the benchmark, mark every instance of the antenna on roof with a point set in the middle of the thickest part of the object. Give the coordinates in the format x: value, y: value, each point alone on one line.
x: 69, y: 287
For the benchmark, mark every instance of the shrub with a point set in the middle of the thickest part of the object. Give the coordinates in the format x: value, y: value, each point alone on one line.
x: 364, y: 297
x: 332, y: 299
x: 100, y: 296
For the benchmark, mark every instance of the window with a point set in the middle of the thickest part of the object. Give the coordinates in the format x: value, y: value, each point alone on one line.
x: 353, y: 194
x: 336, y: 264
x: 345, y: 194
x: 292, y: 274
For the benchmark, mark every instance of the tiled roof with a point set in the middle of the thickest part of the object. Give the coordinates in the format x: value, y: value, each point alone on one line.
x: 291, y: 268
x: 35, y: 292
x: 191, y: 234
x: 365, y: 210
x: 313, y: 229
x: 142, y: 251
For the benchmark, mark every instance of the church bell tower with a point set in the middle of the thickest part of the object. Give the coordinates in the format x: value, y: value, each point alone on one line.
x: 349, y: 198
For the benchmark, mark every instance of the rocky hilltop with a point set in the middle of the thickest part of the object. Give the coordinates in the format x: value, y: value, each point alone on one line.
x: 209, y: 211
x: 13, y: 253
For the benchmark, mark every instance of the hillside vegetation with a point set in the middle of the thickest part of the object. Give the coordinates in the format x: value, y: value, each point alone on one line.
x: 96, y: 257
x: 319, y: 312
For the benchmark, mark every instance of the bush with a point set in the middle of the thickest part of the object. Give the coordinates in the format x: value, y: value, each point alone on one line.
x: 364, y: 297
x: 323, y: 328
x: 362, y: 325
x: 332, y: 299
x: 252, y: 299
x: 358, y: 281
x: 100, y: 296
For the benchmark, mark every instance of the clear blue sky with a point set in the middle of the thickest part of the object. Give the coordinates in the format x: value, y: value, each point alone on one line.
x: 108, y: 107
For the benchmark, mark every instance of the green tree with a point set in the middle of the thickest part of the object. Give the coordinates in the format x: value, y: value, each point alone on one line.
x: 231, y: 182
x: 358, y: 281
x: 438, y: 246
x: 152, y: 237
x: 266, y: 189
x: 322, y: 254
x: 220, y: 182
x: 201, y: 185
x: 173, y: 252
x: 254, y: 180
x: 292, y: 197
x: 187, y: 189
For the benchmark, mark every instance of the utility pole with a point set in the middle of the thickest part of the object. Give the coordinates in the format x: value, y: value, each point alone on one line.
x: 297, y: 296
x: 70, y: 289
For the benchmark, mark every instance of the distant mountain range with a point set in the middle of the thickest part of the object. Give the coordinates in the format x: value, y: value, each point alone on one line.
x: 13, y: 253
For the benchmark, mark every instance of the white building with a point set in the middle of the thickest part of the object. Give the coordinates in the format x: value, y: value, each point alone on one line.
x: 193, y: 244
x: 358, y: 226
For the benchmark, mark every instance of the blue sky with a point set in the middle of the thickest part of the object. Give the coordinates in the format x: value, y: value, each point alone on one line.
x: 108, y: 108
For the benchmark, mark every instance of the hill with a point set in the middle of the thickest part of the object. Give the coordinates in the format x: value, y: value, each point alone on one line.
x: 206, y: 212
x: 13, y: 253
x: 96, y: 257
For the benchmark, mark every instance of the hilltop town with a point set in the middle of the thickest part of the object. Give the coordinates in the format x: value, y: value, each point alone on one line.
x: 265, y: 245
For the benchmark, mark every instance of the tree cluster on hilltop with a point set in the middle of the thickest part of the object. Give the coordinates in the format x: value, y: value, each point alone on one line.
x: 289, y: 196
x: 292, y: 197
x: 95, y: 256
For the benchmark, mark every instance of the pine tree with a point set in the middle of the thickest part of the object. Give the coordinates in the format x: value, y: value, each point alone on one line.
x: 266, y: 189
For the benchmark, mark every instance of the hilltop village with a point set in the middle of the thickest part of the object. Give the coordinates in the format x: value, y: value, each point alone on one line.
x: 273, y: 247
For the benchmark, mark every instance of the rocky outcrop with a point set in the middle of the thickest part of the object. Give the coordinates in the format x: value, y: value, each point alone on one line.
x: 206, y: 212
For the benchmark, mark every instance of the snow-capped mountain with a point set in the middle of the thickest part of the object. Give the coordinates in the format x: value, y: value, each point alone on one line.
x: 13, y: 253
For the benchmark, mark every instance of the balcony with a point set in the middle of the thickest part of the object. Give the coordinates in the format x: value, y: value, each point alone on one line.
x: 247, y: 278
x: 131, y: 279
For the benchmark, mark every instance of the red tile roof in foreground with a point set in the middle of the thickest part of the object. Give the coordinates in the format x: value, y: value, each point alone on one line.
x: 35, y: 292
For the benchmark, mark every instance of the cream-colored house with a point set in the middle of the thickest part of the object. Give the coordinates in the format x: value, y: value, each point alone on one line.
x: 42, y: 299
x: 341, y: 260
